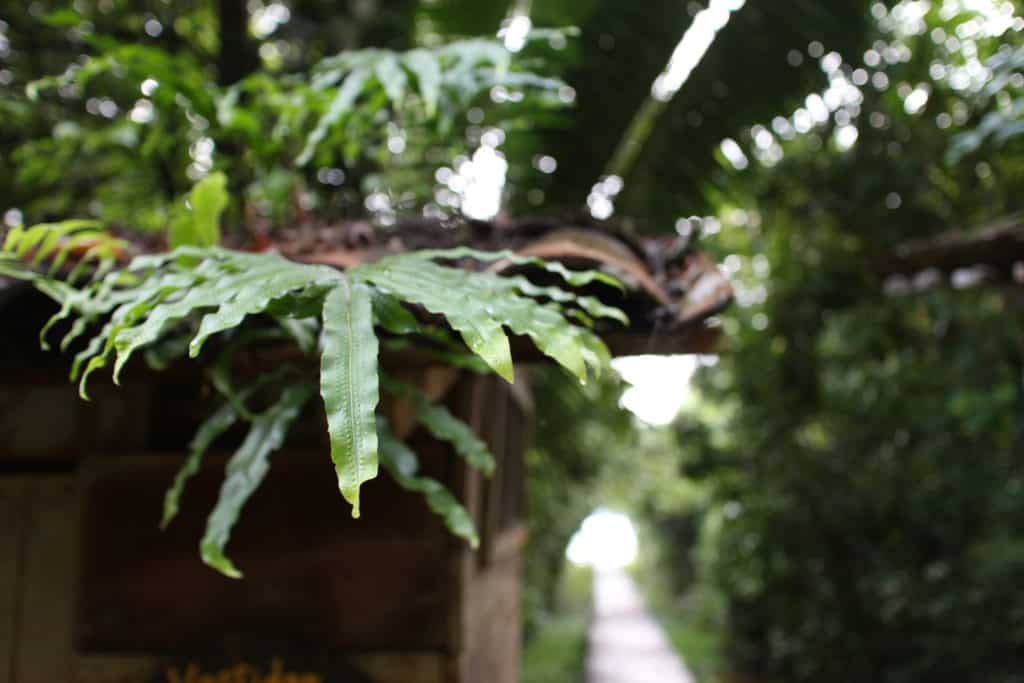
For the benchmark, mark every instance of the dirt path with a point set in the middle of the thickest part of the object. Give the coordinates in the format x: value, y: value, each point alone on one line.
x: 626, y: 644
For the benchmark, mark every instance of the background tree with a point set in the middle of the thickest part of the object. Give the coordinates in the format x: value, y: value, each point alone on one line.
x: 866, y: 457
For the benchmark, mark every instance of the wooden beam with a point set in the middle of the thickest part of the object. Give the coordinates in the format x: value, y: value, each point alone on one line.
x: 998, y: 246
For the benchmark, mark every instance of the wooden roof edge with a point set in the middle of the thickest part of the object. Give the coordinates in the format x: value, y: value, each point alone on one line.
x: 672, y: 285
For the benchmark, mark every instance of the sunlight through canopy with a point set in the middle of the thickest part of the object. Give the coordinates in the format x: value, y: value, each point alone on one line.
x: 606, y: 540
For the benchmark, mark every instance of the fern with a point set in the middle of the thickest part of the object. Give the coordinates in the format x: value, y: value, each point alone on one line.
x: 421, y: 84
x: 25, y: 249
x: 445, y: 426
x: 401, y: 462
x: 245, y: 472
x: 167, y: 303
x: 348, y: 384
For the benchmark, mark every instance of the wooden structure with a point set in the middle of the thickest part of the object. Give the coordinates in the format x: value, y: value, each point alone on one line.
x: 989, y: 254
x: 91, y: 591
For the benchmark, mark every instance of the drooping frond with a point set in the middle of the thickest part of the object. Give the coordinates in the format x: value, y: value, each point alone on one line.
x: 444, y: 426
x: 402, y: 464
x: 245, y: 472
x: 348, y: 384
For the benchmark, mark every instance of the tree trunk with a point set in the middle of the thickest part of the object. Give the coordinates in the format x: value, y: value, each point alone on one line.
x: 237, y: 56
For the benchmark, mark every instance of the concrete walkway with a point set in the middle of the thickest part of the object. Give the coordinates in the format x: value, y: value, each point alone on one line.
x: 626, y: 644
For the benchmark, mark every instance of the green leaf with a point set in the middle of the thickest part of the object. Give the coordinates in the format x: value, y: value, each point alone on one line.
x: 487, y: 303
x: 446, y: 427
x: 545, y: 326
x: 575, y: 278
x: 402, y: 464
x: 200, y: 225
x: 95, y: 363
x: 245, y: 472
x: 211, y: 429
x: 340, y: 106
x: 391, y: 78
x: 349, y: 386
x: 391, y: 315
x: 215, y: 292
x: 592, y: 306
x: 256, y: 297
x: 50, y: 239
x: 425, y: 67
x: 95, y: 346
x: 420, y: 281
x: 130, y: 340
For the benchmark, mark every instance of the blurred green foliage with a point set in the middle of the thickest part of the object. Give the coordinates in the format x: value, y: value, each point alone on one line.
x: 139, y: 100
x: 862, y: 435
x: 115, y: 111
x: 580, y: 431
x: 853, y: 508
x: 557, y: 652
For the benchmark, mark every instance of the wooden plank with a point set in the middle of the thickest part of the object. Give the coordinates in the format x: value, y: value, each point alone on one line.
x: 492, y: 628
x: 470, y: 404
x: 311, y: 571
x: 48, y: 587
x: 495, y: 433
x: 12, y: 512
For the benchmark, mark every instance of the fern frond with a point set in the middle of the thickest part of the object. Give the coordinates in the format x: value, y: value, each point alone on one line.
x: 402, y: 464
x: 245, y: 472
x: 180, y: 299
x: 348, y: 384
x: 342, y: 103
x: 427, y: 72
x: 209, y: 431
x: 444, y: 426
x: 574, y: 278
x: 456, y: 75
x: 255, y: 297
x: 431, y: 286
x: 25, y: 249
x: 490, y: 303
x: 590, y: 305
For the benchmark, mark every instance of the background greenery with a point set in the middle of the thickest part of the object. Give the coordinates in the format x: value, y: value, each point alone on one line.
x: 849, y: 495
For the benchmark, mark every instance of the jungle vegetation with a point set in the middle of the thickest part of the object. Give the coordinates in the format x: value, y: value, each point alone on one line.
x: 849, y: 502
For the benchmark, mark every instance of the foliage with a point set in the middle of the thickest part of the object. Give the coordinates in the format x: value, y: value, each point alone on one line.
x: 1002, y: 95
x: 325, y: 138
x: 198, y: 221
x: 57, y: 242
x: 557, y: 652
x: 862, y: 448
x: 193, y: 293
x: 581, y: 433
x: 336, y: 134
x: 130, y: 142
x: 862, y: 435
